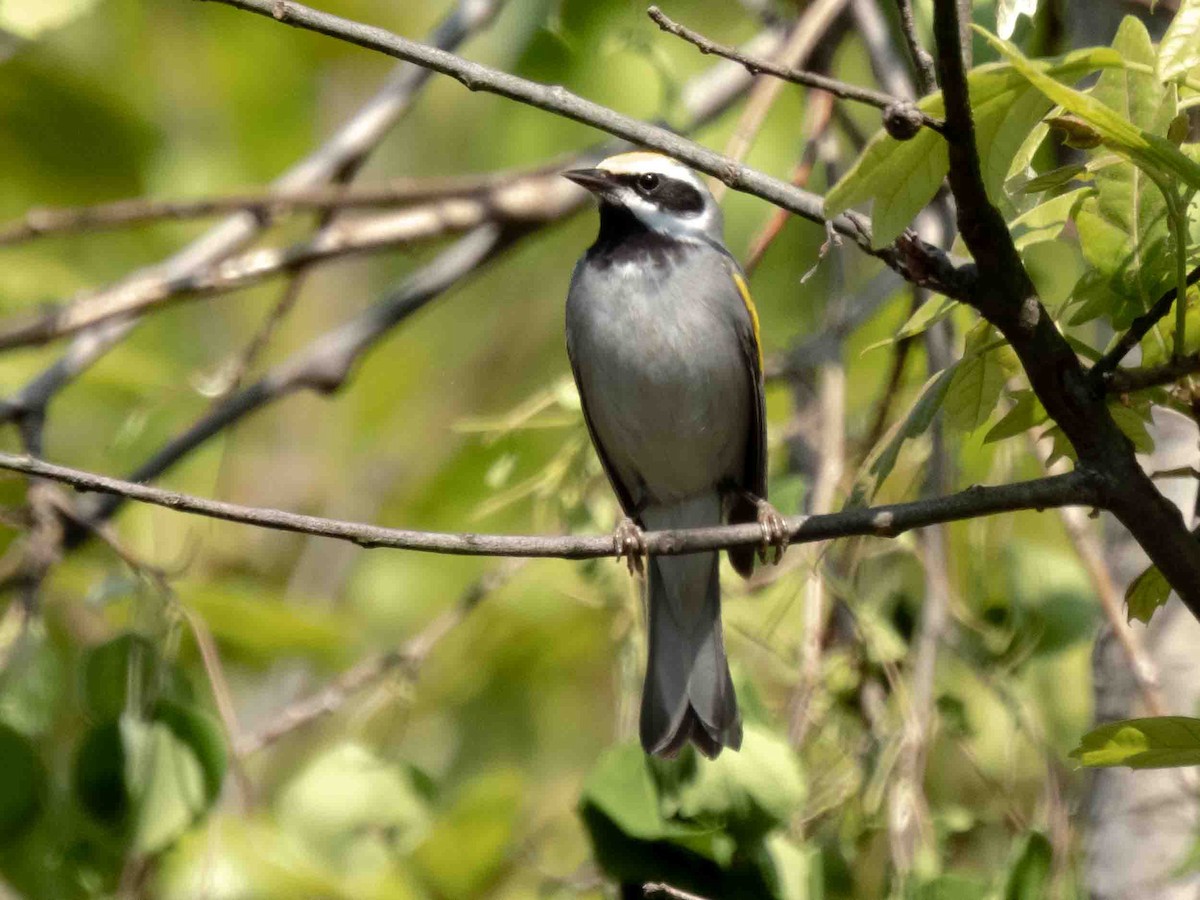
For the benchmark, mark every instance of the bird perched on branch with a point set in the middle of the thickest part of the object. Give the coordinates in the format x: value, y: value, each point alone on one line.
x: 664, y: 345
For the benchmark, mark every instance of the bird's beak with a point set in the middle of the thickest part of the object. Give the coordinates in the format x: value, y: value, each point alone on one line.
x: 595, y: 180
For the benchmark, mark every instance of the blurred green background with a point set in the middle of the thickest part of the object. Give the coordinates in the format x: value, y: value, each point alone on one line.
x: 502, y: 766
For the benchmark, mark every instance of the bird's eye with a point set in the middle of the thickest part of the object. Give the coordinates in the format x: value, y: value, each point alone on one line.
x: 647, y: 182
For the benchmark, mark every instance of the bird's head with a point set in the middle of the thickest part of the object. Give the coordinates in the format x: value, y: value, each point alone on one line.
x: 660, y: 193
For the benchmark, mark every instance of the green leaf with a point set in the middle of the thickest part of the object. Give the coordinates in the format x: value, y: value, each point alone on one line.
x: 203, y: 736
x: 749, y: 792
x: 1179, y: 50
x: 165, y: 781
x: 1146, y: 593
x: 1046, y: 221
x: 1025, y: 414
x: 901, y: 177
x: 1148, y: 150
x: 1126, y: 197
x: 469, y: 844
x: 879, y: 464
x: 1130, y: 422
x: 1152, y: 743
x: 1055, y: 178
x: 932, y: 310
x: 126, y: 674
x: 1028, y: 877
x: 978, y: 382
x: 22, y: 784
x: 98, y: 774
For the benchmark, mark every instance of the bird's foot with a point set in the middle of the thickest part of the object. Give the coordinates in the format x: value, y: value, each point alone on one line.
x: 630, y: 545
x: 774, y: 530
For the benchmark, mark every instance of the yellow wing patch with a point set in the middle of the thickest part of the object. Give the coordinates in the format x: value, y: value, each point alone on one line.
x: 744, y: 290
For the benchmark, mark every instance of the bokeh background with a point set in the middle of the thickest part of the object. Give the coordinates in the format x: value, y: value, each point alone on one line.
x: 500, y: 764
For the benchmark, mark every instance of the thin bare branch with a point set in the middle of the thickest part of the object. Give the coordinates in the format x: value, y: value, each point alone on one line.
x: 268, y: 205
x: 839, y: 89
x: 915, y: 259
x: 1078, y: 488
x: 922, y: 61
x: 531, y: 198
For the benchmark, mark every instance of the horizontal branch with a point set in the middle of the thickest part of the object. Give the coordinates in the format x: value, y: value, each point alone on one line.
x: 1077, y: 488
x: 916, y: 260
x: 267, y: 204
x: 756, y: 65
x: 525, y: 198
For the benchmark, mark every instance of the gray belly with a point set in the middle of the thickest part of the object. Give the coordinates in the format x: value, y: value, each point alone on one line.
x: 665, y: 381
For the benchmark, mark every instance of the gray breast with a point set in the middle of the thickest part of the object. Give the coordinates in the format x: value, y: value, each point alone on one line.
x: 659, y: 358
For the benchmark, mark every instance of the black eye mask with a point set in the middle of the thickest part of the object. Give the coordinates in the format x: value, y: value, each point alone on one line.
x: 669, y: 194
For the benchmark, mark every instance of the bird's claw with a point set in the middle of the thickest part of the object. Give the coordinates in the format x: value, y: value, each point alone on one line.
x: 630, y: 544
x: 774, y: 531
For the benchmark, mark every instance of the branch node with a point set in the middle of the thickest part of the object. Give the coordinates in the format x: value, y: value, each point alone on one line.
x: 902, y: 120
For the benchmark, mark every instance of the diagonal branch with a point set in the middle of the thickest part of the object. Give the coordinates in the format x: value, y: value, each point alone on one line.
x: 1139, y: 328
x: 756, y: 65
x: 1078, y: 488
x: 916, y: 260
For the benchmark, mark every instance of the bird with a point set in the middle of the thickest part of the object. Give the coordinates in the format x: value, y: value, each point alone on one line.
x: 663, y: 340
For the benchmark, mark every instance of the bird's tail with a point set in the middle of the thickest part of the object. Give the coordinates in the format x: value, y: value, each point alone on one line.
x: 688, y: 694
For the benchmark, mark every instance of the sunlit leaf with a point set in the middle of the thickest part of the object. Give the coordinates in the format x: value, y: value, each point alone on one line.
x: 1046, y: 221
x: 1024, y: 414
x: 1152, y: 743
x: 901, y: 177
x: 1150, y: 150
x: 1007, y: 12
x: 1179, y: 50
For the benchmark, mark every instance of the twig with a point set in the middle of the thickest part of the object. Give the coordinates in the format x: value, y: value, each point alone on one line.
x: 917, y: 261
x: 839, y: 89
x: 1078, y: 488
x: 336, y: 158
x: 798, y: 48
x: 922, y: 61
x: 268, y: 205
x: 211, y: 658
x: 408, y: 658
x: 1138, y: 329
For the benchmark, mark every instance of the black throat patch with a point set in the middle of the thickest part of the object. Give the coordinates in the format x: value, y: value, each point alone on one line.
x: 624, y: 239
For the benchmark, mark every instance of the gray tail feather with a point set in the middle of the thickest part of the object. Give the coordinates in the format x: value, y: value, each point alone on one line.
x: 688, y: 694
